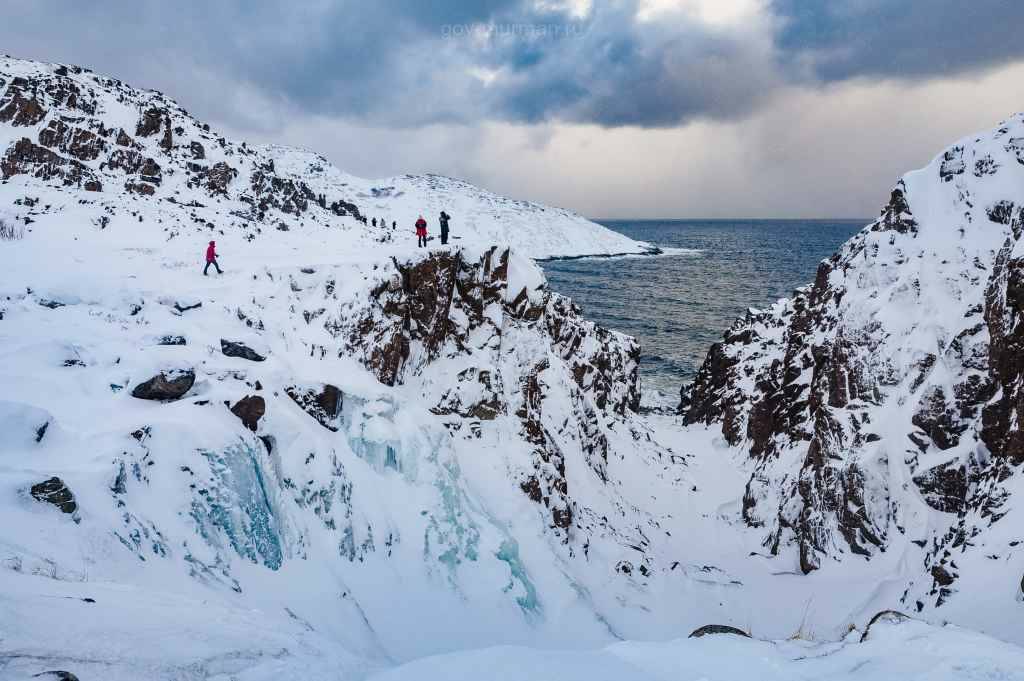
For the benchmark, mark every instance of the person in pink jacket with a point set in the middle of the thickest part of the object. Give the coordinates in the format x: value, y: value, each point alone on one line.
x: 211, y: 258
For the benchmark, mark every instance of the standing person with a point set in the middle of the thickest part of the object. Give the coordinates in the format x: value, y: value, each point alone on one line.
x: 444, y: 227
x: 394, y: 225
x: 211, y: 258
x: 375, y: 222
x: 421, y: 232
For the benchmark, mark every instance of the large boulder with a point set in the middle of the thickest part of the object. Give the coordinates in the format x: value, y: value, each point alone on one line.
x: 54, y: 491
x: 250, y: 409
x: 241, y: 350
x: 164, y: 387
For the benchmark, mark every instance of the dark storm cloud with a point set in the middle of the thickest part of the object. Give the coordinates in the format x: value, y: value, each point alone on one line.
x: 902, y: 39
x: 613, y: 70
x: 408, y: 63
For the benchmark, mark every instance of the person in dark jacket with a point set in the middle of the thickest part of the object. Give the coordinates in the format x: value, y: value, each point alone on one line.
x: 421, y: 232
x: 375, y: 222
x: 444, y: 227
x: 211, y: 258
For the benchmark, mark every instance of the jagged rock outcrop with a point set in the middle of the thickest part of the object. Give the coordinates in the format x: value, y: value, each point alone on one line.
x: 26, y: 158
x: 165, y: 387
x: 54, y: 491
x: 249, y: 410
x: 240, y: 350
x: 322, y: 403
x: 450, y: 307
x: 904, y: 355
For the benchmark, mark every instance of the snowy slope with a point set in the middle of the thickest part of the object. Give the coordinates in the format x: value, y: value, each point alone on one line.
x: 100, y: 141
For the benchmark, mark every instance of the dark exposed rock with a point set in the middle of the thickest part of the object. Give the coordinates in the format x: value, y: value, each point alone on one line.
x: 151, y: 121
x: 198, y: 152
x: 56, y: 676
x: 219, y: 177
x: 54, y: 491
x: 18, y: 108
x: 165, y: 388
x: 1004, y: 317
x: 172, y: 340
x: 250, y: 410
x: 1000, y: 212
x: 944, y: 487
x: 952, y: 164
x: 240, y: 350
x: 26, y: 158
x: 889, y: 616
x: 484, y: 404
x: 713, y: 629
x: 942, y: 576
x: 142, y: 188
x: 896, y: 215
x: 937, y: 420
x: 167, y: 141
x: 78, y: 142
x: 187, y: 306
x: 132, y: 162
x: 287, y: 195
x: 323, y: 405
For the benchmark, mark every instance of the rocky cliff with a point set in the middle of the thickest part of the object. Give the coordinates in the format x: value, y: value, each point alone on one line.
x: 881, y: 404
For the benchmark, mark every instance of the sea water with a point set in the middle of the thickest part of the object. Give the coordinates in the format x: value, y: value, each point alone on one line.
x: 679, y: 303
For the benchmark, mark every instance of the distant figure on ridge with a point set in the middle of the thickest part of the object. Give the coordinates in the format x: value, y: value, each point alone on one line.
x: 444, y: 227
x: 421, y: 232
x: 394, y: 224
x: 375, y: 222
x: 211, y: 258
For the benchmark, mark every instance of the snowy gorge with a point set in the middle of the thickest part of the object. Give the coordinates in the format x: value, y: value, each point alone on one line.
x: 351, y: 458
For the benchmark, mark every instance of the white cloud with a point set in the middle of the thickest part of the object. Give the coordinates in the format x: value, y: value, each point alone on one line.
x: 710, y: 12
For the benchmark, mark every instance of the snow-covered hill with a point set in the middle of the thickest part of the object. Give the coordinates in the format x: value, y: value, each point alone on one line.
x: 347, y: 453
x: 115, y: 150
x: 881, y: 406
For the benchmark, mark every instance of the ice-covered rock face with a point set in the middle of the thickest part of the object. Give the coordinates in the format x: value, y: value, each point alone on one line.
x: 483, y: 338
x: 889, y: 390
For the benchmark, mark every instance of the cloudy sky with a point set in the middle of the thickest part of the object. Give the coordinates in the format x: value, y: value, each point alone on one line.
x: 615, y: 108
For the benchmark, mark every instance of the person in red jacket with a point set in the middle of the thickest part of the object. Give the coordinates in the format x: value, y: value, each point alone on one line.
x: 421, y: 232
x: 211, y: 258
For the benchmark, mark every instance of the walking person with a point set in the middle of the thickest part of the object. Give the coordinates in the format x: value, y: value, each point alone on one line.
x: 444, y: 227
x: 421, y: 232
x: 211, y: 258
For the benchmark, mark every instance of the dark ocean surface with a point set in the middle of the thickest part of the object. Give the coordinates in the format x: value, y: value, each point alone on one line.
x: 680, y: 303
